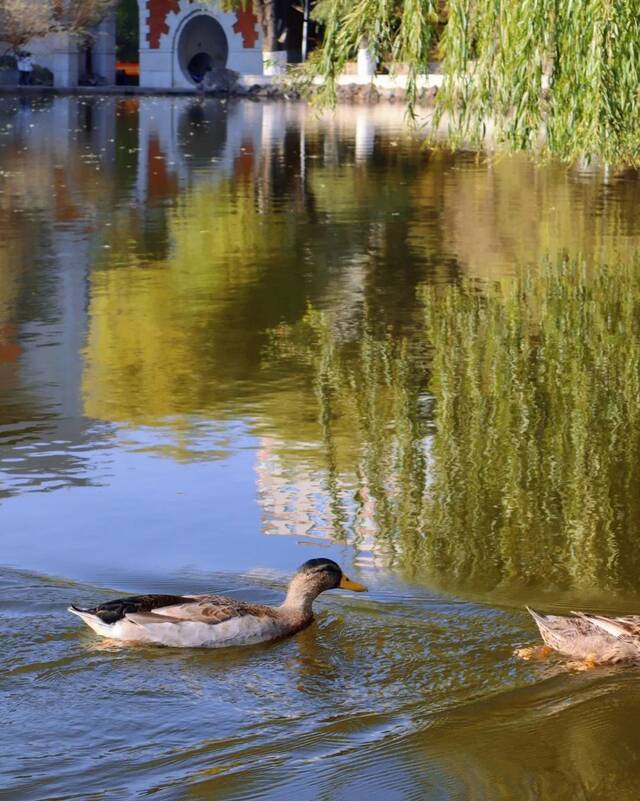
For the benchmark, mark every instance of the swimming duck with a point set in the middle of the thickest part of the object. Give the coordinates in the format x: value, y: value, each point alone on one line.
x: 592, y: 639
x: 214, y: 621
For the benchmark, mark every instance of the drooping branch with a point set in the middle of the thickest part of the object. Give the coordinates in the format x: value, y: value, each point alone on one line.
x: 552, y: 76
x: 79, y: 17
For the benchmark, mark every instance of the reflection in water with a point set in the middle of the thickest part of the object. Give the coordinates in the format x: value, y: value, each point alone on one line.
x: 496, y: 447
x: 537, y: 449
x: 223, y: 320
x: 371, y: 427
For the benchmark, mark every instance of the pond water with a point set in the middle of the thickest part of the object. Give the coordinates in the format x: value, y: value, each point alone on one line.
x: 234, y: 336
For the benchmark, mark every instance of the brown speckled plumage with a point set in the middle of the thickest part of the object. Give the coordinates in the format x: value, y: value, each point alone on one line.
x: 215, y: 620
x: 595, y: 638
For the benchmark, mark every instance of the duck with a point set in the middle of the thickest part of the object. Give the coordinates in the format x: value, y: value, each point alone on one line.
x: 215, y: 621
x: 588, y: 639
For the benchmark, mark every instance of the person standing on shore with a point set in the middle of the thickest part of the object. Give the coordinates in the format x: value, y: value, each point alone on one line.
x: 25, y: 68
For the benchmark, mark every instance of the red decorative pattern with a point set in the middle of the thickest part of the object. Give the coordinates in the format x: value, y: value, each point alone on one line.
x: 161, y: 182
x: 158, y: 11
x: 246, y: 26
x: 243, y: 163
x: 9, y: 350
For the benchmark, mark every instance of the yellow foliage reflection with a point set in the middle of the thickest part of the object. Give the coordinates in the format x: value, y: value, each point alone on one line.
x: 537, y: 445
x: 159, y: 337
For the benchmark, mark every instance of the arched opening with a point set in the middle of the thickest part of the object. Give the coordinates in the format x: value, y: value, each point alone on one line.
x: 127, y: 43
x: 202, y: 47
x: 199, y: 65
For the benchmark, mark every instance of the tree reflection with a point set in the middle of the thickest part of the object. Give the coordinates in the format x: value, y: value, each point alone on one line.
x: 483, y: 431
x: 529, y: 474
x: 370, y: 422
x: 537, y: 439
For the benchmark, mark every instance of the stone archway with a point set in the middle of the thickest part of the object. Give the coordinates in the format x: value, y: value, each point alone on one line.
x: 202, y: 46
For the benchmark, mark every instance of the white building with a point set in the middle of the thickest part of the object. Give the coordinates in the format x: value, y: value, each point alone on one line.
x: 179, y: 42
x: 68, y: 60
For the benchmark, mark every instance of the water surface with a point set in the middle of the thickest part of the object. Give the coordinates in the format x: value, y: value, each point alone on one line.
x: 236, y: 335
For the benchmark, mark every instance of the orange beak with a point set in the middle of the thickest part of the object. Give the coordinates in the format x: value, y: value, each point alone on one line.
x: 347, y: 584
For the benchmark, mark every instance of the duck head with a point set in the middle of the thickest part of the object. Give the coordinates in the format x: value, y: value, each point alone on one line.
x: 316, y: 576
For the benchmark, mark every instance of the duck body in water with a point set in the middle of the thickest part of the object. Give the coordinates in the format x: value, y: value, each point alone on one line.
x: 592, y: 639
x: 215, y: 621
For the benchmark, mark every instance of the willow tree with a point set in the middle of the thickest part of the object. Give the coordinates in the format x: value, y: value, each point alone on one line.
x: 551, y: 75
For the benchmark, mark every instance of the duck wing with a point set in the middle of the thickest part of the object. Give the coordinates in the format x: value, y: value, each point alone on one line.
x: 212, y: 620
x: 619, y: 627
x: 557, y: 630
x: 211, y: 609
x: 113, y: 611
x: 574, y: 635
x: 184, y: 620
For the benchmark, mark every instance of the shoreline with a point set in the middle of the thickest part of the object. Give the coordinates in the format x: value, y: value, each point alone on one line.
x: 350, y: 88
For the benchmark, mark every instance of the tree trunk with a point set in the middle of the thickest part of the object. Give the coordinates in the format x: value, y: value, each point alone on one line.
x: 266, y: 13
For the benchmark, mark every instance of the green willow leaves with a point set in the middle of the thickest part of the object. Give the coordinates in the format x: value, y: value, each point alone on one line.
x: 369, y: 422
x: 402, y: 32
x: 498, y: 445
x: 536, y: 457
x: 552, y: 76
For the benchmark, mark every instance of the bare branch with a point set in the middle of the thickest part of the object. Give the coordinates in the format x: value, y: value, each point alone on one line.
x: 24, y: 20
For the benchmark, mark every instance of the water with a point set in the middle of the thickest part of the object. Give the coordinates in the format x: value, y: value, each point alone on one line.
x: 234, y: 336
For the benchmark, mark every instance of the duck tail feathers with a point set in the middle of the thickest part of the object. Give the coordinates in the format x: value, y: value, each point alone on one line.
x: 539, y: 618
x: 92, y: 620
x: 85, y: 614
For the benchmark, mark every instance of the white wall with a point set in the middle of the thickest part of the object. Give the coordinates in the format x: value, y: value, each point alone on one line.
x: 160, y: 68
x: 104, y: 50
x: 61, y: 54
